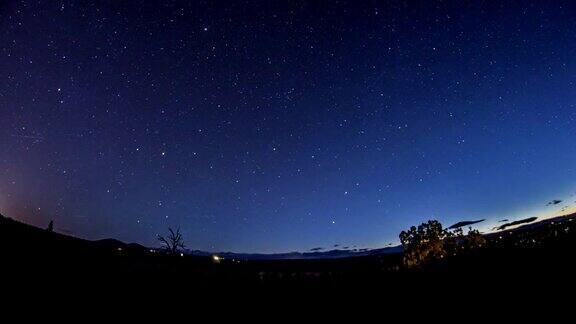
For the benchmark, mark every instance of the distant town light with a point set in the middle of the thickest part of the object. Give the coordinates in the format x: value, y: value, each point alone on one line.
x: 216, y: 259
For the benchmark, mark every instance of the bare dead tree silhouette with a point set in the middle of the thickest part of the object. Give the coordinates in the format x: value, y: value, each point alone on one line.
x: 174, y: 242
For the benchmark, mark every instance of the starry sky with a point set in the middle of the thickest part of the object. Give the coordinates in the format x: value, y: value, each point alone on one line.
x: 272, y: 126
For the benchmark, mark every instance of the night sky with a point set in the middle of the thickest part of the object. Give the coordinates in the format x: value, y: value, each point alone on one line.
x: 272, y: 126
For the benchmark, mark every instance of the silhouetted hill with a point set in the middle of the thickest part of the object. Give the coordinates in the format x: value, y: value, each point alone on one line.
x: 116, y: 245
x: 533, y: 248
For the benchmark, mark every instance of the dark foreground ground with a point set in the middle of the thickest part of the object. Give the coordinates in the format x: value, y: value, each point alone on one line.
x: 543, y: 253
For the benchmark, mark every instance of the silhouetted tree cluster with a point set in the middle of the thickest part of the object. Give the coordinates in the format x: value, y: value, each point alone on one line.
x: 173, y: 242
x: 429, y: 241
x: 50, y: 227
x: 423, y: 243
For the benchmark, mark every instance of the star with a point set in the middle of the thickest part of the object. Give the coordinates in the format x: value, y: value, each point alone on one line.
x: 411, y: 115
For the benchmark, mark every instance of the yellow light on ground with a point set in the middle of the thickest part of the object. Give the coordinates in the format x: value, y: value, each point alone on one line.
x: 216, y: 259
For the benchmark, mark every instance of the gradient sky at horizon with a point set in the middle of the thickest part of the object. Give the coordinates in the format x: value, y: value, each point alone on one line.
x: 271, y: 126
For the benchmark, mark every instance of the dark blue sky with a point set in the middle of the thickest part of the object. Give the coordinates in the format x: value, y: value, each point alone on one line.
x: 277, y: 126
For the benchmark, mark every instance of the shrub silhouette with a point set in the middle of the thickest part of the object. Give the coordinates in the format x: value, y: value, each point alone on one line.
x: 474, y: 239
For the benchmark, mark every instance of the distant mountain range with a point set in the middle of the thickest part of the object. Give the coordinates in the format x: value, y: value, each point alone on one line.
x: 16, y: 228
x: 11, y: 231
x: 113, y: 244
x: 331, y: 254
